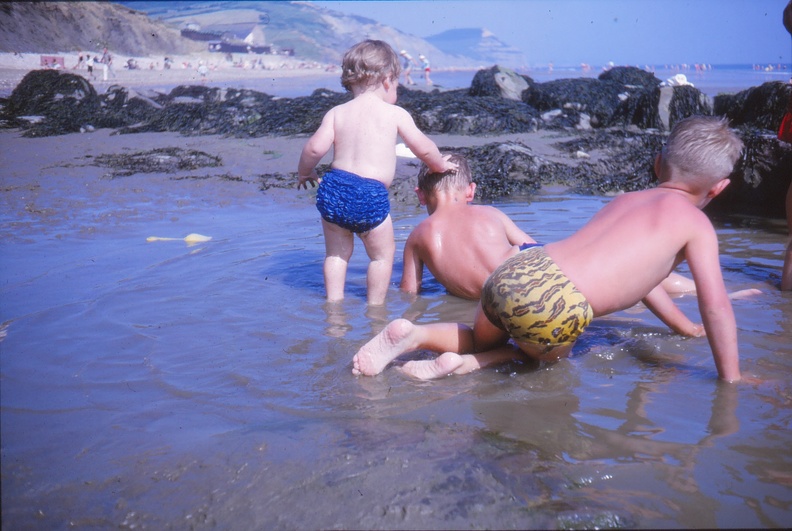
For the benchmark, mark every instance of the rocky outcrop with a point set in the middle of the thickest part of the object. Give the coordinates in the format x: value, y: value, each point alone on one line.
x: 761, y: 178
x: 48, y: 102
x: 763, y: 106
x: 500, y: 82
x: 623, y: 116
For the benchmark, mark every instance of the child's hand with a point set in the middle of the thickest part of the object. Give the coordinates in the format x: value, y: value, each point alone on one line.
x: 303, y: 181
x: 697, y: 331
x: 447, y: 165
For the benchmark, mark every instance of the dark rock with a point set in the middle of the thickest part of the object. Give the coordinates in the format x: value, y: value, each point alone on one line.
x: 760, y: 179
x: 499, y: 82
x: 455, y: 112
x: 627, y: 164
x: 506, y: 169
x: 67, y: 102
x: 630, y: 76
x: 763, y: 106
x: 597, y: 99
x: 684, y: 101
x: 121, y: 106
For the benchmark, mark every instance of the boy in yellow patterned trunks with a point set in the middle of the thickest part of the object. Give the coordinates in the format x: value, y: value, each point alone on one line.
x: 353, y: 196
x: 544, y: 297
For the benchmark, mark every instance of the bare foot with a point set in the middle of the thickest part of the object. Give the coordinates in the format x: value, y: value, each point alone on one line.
x: 744, y: 294
x: 394, y: 340
x: 440, y: 367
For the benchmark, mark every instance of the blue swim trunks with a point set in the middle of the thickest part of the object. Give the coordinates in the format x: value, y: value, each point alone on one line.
x: 355, y: 203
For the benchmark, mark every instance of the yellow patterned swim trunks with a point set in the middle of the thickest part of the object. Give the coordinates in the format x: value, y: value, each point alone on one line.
x: 529, y: 297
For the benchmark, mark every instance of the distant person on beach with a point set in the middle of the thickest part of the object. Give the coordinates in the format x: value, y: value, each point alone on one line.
x: 89, y: 63
x: 427, y: 68
x: 460, y: 243
x: 544, y: 297
x: 203, y: 70
x: 407, y: 64
x: 353, y: 195
x: 107, y: 65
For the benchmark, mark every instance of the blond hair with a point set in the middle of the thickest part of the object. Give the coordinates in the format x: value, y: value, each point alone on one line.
x: 703, y: 148
x: 368, y: 63
x: 429, y: 182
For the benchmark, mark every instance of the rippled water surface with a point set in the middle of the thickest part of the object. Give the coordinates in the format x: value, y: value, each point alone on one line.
x: 165, y: 385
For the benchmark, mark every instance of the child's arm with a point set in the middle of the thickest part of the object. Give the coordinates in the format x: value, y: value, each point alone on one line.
x: 420, y: 144
x: 716, y: 310
x: 514, y: 234
x: 316, y: 148
x: 660, y: 303
x: 412, y: 272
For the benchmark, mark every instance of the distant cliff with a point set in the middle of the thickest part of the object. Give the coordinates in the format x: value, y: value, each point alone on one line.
x: 51, y: 27
x: 313, y: 30
x: 478, y: 44
x: 146, y: 28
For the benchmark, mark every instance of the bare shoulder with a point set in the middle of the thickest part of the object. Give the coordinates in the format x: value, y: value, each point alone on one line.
x: 420, y: 238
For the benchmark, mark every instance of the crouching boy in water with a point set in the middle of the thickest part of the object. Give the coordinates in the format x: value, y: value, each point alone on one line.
x: 544, y: 297
x: 460, y: 244
x: 353, y: 196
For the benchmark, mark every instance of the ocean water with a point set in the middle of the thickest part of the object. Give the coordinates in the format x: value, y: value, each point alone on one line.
x: 161, y: 385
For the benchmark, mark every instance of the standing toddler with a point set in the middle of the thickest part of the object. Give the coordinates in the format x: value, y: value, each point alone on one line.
x: 353, y: 196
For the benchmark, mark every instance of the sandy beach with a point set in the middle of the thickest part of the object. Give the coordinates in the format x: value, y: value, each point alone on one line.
x: 272, y: 70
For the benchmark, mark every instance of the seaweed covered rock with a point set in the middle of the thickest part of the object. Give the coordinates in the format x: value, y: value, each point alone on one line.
x: 500, y: 82
x: 238, y: 113
x: 679, y: 102
x: 160, y: 160
x: 763, y: 106
x: 760, y: 179
x: 630, y: 76
x: 625, y: 164
x: 121, y: 106
x: 507, y: 169
x: 455, y: 112
x: 597, y: 99
x: 626, y: 96
x: 67, y: 103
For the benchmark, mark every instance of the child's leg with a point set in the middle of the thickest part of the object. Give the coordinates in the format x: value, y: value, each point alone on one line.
x: 453, y: 363
x: 339, y: 244
x: 676, y: 283
x: 490, y: 347
x: 491, y: 340
x: 402, y: 336
x: 380, y: 247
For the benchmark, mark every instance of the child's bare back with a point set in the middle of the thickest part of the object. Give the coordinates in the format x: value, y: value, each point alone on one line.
x: 460, y: 243
x: 642, y: 236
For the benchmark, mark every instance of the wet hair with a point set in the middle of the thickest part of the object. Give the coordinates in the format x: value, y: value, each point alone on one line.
x: 368, y: 63
x: 704, y: 148
x: 430, y: 182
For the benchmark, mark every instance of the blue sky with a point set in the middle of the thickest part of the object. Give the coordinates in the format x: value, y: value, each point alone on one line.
x: 638, y: 32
